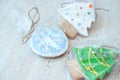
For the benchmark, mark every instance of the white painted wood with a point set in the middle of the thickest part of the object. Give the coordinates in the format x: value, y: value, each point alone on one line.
x: 18, y: 62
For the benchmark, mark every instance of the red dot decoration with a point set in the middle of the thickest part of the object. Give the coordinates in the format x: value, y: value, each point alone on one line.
x: 90, y: 6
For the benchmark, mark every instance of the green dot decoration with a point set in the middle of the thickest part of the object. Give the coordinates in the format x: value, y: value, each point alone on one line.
x: 88, y: 13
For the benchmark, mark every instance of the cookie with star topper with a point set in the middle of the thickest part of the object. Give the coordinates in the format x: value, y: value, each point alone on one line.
x: 79, y: 15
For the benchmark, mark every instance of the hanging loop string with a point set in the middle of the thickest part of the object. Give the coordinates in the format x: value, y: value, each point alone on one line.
x: 98, y: 9
x: 34, y: 18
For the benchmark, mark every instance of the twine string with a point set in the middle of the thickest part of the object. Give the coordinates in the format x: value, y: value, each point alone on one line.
x: 98, y: 9
x: 34, y: 20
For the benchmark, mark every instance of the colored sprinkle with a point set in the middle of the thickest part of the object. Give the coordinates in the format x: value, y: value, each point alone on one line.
x: 72, y: 19
x: 89, y: 13
x: 81, y: 7
x: 90, y: 6
x: 79, y: 24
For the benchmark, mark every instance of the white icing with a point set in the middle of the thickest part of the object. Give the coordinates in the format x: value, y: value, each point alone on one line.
x: 80, y: 15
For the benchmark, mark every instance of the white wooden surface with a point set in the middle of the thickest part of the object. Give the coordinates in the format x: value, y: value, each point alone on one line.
x: 18, y: 62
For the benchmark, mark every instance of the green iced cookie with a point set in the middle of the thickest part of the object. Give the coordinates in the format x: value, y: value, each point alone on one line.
x: 95, y: 62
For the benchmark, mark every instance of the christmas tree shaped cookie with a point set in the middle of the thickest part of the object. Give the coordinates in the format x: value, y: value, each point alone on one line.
x: 79, y: 15
x: 95, y: 62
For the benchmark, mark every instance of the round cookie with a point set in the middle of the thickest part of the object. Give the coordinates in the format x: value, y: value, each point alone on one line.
x: 49, y: 42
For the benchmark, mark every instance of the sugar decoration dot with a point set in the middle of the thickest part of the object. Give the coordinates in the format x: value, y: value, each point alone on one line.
x: 79, y: 24
x: 72, y: 19
x: 81, y: 7
x: 90, y: 6
x: 88, y: 13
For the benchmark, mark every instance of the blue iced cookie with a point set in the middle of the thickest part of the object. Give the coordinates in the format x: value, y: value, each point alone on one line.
x: 49, y: 42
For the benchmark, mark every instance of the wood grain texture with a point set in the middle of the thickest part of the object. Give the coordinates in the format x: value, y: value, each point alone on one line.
x: 18, y: 62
